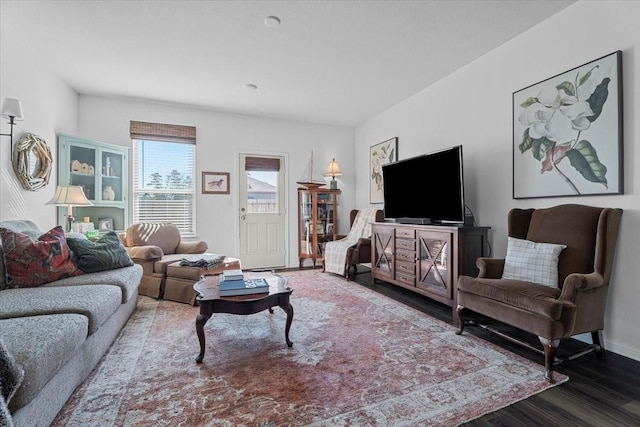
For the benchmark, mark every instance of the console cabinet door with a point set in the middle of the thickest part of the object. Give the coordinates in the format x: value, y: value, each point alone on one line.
x: 435, y: 272
x: 383, y: 251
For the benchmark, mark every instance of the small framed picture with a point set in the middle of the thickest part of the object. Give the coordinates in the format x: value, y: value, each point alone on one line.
x: 105, y: 224
x: 215, y: 182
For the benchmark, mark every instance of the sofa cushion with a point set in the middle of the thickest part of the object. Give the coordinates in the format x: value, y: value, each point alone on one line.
x: 126, y: 278
x: 530, y: 297
x: 41, y: 345
x: 31, y: 262
x: 106, y: 253
x: 532, y: 262
x: 96, y: 302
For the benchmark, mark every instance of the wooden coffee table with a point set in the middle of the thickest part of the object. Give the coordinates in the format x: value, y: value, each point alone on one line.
x: 208, y: 296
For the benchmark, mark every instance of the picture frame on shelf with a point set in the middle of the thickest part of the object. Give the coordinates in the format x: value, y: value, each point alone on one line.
x: 105, y: 224
x: 567, y: 133
x: 215, y: 183
x: 380, y: 154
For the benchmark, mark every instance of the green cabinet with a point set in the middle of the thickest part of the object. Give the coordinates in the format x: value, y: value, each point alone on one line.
x: 102, y: 170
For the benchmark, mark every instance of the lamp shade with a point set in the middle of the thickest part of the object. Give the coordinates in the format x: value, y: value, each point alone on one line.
x: 11, y: 107
x: 69, y: 195
x: 333, y: 169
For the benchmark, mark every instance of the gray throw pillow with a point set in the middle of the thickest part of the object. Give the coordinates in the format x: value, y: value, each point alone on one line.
x: 106, y: 253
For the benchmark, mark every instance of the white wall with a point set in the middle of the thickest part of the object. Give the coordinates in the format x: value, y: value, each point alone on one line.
x: 49, y: 106
x: 220, y: 137
x: 473, y: 107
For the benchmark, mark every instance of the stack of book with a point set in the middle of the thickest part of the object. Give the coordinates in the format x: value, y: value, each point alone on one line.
x: 232, y: 282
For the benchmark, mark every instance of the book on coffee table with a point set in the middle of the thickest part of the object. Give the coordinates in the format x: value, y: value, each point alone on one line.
x: 230, y: 288
x: 235, y: 274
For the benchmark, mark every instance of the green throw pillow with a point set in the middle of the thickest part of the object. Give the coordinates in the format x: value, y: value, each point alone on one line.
x: 106, y: 253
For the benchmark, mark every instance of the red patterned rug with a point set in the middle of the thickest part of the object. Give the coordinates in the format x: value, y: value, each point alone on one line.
x: 358, y: 359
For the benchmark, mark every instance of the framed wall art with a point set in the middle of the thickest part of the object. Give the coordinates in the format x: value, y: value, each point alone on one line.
x: 105, y: 224
x: 567, y: 133
x: 215, y: 183
x: 380, y: 154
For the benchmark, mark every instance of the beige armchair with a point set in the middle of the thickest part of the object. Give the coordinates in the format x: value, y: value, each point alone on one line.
x: 579, y: 243
x: 154, y: 246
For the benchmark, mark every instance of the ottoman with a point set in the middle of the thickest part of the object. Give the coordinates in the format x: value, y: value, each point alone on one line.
x: 180, y: 279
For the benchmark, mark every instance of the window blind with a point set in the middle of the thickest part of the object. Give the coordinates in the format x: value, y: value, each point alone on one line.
x: 261, y: 164
x: 162, y: 132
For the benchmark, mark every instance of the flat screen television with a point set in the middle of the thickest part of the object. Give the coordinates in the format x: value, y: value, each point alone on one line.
x: 426, y: 189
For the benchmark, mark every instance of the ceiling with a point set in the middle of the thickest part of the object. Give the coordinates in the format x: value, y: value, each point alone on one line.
x: 330, y: 62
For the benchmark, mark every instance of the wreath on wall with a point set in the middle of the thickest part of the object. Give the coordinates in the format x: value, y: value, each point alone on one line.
x: 32, y: 162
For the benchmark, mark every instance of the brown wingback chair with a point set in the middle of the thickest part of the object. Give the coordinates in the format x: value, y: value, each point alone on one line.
x: 154, y: 246
x: 577, y: 305
x: 361, y: 251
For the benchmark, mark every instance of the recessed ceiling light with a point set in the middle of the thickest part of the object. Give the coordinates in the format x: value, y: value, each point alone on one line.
x: 250, y: 86
x: 272, y: 21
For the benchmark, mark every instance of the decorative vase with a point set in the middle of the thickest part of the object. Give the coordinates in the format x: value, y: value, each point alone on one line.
x: 108, y: 193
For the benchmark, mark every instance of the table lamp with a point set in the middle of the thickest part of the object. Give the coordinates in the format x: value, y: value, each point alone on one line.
x: 69, y: 196
x: 333, y: 170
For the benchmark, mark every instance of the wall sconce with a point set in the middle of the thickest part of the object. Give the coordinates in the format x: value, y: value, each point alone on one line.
x: 333, y: 170
x: 69, y: 196
x: 12, y: 110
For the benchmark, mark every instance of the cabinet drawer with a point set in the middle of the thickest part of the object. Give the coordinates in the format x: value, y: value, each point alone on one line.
x: 407, y: 279
x: 406, y: 268
x: 409, y: 256
x: 408, y: 244
x: 405, y: 233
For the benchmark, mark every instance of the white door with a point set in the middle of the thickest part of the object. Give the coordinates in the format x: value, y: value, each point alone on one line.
x: 262, y: 211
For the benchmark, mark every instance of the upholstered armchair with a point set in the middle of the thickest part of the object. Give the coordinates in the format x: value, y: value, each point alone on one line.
x: 154, y: 246
x: 553, y: 281
x: 357, y: 244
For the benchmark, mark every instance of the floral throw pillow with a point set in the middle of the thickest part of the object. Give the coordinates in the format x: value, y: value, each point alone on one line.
x: 29, y: 263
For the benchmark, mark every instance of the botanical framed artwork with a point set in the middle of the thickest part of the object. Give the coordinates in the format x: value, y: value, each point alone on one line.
x: 380, y: 154
x: 567, y: 133
x: 215, y: 183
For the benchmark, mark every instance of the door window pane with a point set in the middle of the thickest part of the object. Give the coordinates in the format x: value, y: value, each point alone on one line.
x: 262, y: 192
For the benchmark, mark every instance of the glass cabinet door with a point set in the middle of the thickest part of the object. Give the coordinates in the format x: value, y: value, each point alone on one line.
x: 305, y: 224
x: 82, y: 169
x: 112, y: 164
x: 383, y: 249
x: 434, y: 252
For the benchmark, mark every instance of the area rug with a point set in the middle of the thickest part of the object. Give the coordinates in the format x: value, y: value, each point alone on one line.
x: 358, y: 359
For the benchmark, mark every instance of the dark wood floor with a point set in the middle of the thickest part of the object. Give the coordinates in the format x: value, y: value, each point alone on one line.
x: 598, y: 393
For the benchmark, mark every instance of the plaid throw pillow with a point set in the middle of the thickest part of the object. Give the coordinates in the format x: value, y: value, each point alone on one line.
x: 106, y: 253
x: 532, y: 262
x: 30, y: 263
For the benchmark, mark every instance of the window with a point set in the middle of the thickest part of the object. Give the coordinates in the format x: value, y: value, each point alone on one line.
x: 262, y: 184
x: 164, y: 187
